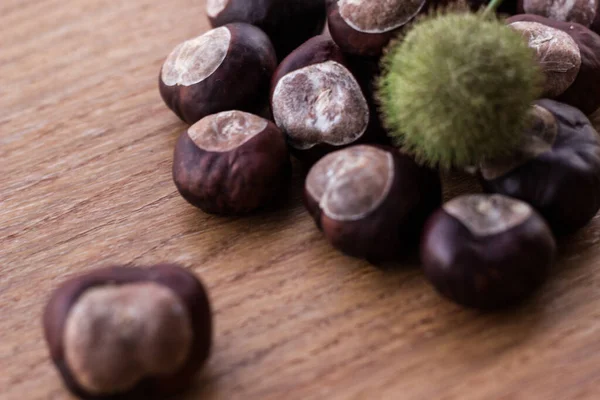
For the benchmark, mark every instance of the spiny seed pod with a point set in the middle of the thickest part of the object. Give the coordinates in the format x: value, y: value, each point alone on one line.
x: 365, y: 27
x: 120, y: 332
x: 556, y: 168
x: 568, y: 55
x: 371, y: 201
x: 584, y: 12
x: 458, y: 89
x: 485, y: 251
x: 288, y: 23
x: 231, y: 163
x: 227, y: 68
x: 318, y: 102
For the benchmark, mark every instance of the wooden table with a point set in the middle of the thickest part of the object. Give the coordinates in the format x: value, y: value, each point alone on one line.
x: 86, y: 150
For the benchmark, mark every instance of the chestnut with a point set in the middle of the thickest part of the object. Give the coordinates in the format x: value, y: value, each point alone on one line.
x: 365, y: 27
x: 124, y: 332
x: 584, y: 12
x: 227, y: 68
x: 486, y: 251
x: 318, y: 102
x: 288, y: 23
x: 556, y: 169
x: 232, y: 162
x: 568, y: 55
x: 371, y: 201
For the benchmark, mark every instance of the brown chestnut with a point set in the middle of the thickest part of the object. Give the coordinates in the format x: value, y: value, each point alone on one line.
x: 485, y: 251
x: 123, y: 332
x: 568, y: 55
x: 318, y: 102
x: 556, y: 169
x: 288, y: 23
x: 584, y: 12
x: 227, y: 68
x: 231, y: 163
x: 371, y: 201
x: 365, y: 27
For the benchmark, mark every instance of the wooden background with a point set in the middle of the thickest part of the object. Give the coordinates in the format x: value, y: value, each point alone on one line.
x: 86, y: 149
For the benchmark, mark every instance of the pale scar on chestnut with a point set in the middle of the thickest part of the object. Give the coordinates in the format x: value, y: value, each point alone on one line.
x: 370, y: 16
x: 485, y: 215
x: 580, y: 11
x: 194, y: 60
x: 557, y: 53
x: 215, y: 7
x: 345, y: 189
x: 320, y: 103
x: 226, y: 130
x: 537, y: 139
x: 116, y: 335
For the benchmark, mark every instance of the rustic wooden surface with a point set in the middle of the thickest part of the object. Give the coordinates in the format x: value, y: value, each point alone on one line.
x: 86, y: 148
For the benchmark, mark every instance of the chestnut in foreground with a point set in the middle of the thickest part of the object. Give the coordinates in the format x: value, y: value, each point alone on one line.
x: 584, y: 12
x: 318, y: 102
x: 227, y: 68
x: 288, y: 23
x: 556, y: 169
x: 123, y: 332
x: 231, y: 163
x: 371, y: 201
x: 365, y: 27
x: 568, y: 56
x: 485, y: 251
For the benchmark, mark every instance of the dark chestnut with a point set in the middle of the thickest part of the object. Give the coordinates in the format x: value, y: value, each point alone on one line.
x: 227, y: 68
x: 120, y: 332
x: 318, y: 102
x: 371, y: 201
x: 365, y: 27
x: 231, y: 163
x: 556, y: 169
x: 486, y: 251
x: 584, y: 12
x: 568, y: 55
x: 288, y: 23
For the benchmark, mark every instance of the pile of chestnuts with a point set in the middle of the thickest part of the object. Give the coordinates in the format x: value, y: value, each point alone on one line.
x: 266, y: 84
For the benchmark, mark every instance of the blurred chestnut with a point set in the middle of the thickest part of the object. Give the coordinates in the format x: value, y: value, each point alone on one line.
x: 584, y: 12
x: 485, y: 251
x: 556, y: 169
x: 227, y: 68
x: 231, y: 163
x: 124, y: 332
x: 365, y: 27
x: 568, y: 55
x: 371, y: 201
x: 288, y: 23
x: 318, y: 102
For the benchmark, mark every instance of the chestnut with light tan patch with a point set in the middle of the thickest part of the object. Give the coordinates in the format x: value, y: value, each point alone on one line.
x: 116, y: 335
x: 215, y: 7
x: 371, y: 201
x: 226, y: 131
x: 320, y: 103
x: 557, y: 53
x: 580, y: 11
x: 370, y: 16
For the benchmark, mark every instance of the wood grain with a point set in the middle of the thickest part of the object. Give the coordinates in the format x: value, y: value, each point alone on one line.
x: 86, y: 149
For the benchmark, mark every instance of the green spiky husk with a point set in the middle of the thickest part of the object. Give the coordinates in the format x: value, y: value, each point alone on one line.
x: 457, y: 89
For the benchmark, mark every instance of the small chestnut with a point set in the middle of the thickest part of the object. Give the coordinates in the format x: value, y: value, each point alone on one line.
x: 288, y: 23
x: 318, y: 102
x: 231, y: 163
x: 568, y: 56
x: 556, y: 169
x: 227, y: 68
x: 371, y: 201
x: 365, y: 27
x: 584, y: 12
x: 124, y: 332
x: 485, y: 251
